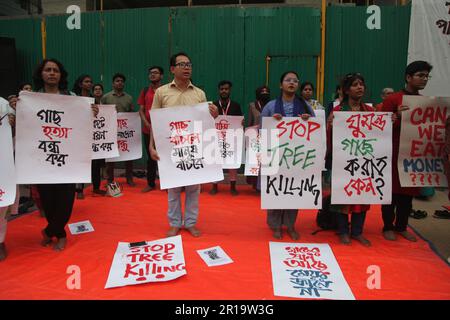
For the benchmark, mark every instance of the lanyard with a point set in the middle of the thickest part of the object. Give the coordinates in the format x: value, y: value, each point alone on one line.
x: 259, y: 105
x: 225, y: 112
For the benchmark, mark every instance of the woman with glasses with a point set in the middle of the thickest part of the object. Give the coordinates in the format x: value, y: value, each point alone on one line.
x: 353, y: 90
x: 288, y: 104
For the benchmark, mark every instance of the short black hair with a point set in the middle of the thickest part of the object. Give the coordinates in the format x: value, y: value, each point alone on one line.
x: 417, y: 66
x: 97, y: 85
x: 39, y: 82
x: 23, y: 84
x: 287, y: 72
x: 119, y: 75
x: 224, y: 82
x: 173, y: 58
x: 259, y: 89
x: 306, y: 83
x: 160, y: 69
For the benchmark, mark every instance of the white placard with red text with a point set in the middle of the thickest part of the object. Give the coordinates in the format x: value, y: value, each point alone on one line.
x: 53, y: 138
x: 230, y: 139
x: 104, y: 144
x: 253, y: 151
x: 129, y: 137
x: 185, y: 139
x: 150, y: 261
x: 422, y: 142
x: 362, y: 158
x: 292, y: 162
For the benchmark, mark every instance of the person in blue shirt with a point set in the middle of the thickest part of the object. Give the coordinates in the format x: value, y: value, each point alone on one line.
x: 288, y: 104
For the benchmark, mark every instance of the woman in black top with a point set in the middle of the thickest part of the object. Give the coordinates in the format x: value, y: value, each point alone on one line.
x: 57, y: 199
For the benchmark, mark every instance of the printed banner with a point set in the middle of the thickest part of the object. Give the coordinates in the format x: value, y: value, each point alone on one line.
x: 214, y: 256
x: 422, y: 141
x: 301, y: 270
x: 253, y: 151
x: 53, y: 138
x: 292, y: 178
x: 362, y: 158
x: 429, y: 40
x: 129, y: 139
x: 7, y: 170
x: 104, y: 143
x: 81, y: 227
x: 151, y: 261
x: 230, y: 138
x: 185, y: 139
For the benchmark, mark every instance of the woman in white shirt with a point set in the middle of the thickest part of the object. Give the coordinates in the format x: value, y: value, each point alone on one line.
x: 307, y: 92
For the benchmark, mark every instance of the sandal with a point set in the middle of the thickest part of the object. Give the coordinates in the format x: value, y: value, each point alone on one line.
x: 441, y: 214
x: 418, y: 214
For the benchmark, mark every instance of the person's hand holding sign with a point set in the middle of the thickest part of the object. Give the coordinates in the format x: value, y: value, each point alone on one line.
x: 304, y: 116
x: 213, y: 110
x: 95, y: 109
x: 277, y: 116
x: 398, y: 115
x: 154, y: 154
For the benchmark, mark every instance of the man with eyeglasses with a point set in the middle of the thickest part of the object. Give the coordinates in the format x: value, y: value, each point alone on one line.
x: 396, y: 214
x: 180, y: 92
x: 145, y: 101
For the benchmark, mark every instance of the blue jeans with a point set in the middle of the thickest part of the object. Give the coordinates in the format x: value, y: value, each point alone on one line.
x: 357, y: 223
x: 191, y: 206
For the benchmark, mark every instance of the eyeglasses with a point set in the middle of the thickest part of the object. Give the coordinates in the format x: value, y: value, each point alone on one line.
x: 350, y: 75
x: 184, y: 65
x: 423, y: 76
x: 291, y: 80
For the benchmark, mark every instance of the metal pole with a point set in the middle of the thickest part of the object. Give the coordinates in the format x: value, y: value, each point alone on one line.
x: 267, y: 70
x: 323, y: 22
x: 44, y: 38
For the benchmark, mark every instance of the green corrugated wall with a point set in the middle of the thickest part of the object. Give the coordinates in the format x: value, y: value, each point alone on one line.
x: 379, y: 55
x: 27, y: 33
x: 224, y: 43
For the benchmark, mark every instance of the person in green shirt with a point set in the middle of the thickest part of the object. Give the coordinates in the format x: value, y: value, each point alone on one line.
x: 124, y: 103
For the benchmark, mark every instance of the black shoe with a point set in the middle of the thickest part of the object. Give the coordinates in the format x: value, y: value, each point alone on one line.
x: 214, y: 190
x: 3, y: 253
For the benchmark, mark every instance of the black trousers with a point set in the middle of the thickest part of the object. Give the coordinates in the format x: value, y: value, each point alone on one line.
x: 57, y: 202
x: 96, y: 172
x: 356, y: 222
x: 151, y: 164
x: 395, y: 215
x: 96, y: 169
x: 128, y: 170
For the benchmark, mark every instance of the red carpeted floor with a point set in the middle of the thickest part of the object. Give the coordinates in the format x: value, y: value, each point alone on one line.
x: 408, y: 270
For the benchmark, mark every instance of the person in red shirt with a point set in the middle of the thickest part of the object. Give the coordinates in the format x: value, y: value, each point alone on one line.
x: 353, y: 90
x: 386, y: 92
x: 145, y: 100
x: 396, y: 214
